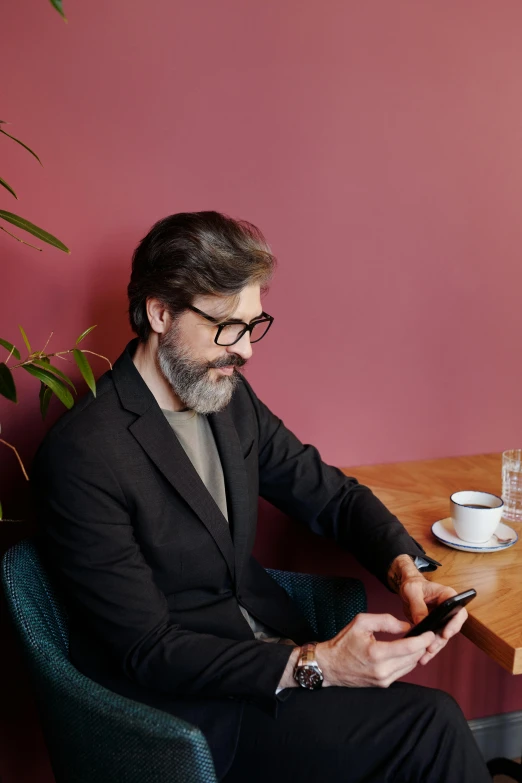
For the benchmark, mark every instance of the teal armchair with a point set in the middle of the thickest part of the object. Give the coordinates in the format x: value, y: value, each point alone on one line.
x: 93, y: 734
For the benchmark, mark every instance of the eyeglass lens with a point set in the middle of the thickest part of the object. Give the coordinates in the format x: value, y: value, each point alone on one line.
x: 231, y: 332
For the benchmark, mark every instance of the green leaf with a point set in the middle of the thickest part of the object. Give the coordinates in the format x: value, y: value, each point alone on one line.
x: 7, y: 386
x: 84, y: 334
x: 26, y: 341
x: 21, y: 143
x: 9, y: 347
x: 45, y: 398
x: 58, y: 5
x: 21, y: 222
x: 85, y: 369
x: 54, y: 383
x: 7, y: 186
x: 45, y: 363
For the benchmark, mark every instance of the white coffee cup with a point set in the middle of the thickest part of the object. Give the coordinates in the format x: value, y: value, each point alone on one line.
x: 472, y: 524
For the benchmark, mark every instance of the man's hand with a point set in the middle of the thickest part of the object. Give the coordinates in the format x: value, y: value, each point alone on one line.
x: 418, y: 596
x: 356, y: 659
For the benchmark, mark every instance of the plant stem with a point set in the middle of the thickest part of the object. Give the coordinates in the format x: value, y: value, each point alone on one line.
x: 18, y: 456
x: 47, y: 343
x: 84, y: 350
x: 60, y: 355
x: 20, y: 240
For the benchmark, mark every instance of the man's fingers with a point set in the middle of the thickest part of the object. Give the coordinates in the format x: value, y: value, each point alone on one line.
x: 414, y: 594
x: 451, y: 629
x: 414, y: 646
x: 401, y: 667
x: 433, y: 650
x: 437, y: 644
x: 380, y: 622
x: 418, y: 610
x: 455, y: 624
x: 404, y: 670
x: 436, y: 594
x: 429, y: 656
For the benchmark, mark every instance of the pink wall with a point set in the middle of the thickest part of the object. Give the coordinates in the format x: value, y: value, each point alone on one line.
x: 377, y: 144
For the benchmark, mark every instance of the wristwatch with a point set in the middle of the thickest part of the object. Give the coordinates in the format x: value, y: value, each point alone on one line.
x: 307, y: 672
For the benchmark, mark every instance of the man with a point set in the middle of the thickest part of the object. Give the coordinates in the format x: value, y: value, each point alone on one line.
x: 148, y: 497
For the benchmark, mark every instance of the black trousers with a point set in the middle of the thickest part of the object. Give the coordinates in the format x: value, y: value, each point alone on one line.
x: 403, y: 734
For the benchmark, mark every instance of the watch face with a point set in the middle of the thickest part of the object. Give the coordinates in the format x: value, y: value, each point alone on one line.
x: 309, y: 677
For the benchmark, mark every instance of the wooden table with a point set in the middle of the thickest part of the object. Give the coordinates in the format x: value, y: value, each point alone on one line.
x: 418, y: 493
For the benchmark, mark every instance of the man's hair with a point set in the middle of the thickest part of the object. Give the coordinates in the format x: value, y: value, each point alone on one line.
x: 195, y: 254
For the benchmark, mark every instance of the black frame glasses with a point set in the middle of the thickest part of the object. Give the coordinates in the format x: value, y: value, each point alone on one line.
x: 265, y: 318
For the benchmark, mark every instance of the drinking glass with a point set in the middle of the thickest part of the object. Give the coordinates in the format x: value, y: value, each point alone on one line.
x: 512, y: 484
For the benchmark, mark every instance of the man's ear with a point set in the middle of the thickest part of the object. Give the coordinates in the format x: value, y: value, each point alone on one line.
x: 158, y: 315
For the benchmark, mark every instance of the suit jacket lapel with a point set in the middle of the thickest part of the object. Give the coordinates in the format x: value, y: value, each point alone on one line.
x: 156, y: 437
x: 236, y: 483
x: 154, y: 434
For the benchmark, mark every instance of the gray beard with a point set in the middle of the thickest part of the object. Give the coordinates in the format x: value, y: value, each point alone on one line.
x: 191, y: 380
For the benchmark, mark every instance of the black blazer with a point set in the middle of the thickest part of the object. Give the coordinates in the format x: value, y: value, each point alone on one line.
x: 152, y: 571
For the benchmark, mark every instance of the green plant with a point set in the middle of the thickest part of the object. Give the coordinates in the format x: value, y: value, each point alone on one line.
x: 52, y: 379
x: 21, y: 222
x: 38, y: 363
x: 59, y: 7
x: 16, y: 220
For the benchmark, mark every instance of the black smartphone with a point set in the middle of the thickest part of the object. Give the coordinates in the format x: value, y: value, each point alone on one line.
x: 442, y: 614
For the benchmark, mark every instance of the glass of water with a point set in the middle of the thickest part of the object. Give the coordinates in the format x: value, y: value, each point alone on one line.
x: 512, y: 484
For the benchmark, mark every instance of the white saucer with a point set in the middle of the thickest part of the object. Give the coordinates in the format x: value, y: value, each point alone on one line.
x: 444, y: 532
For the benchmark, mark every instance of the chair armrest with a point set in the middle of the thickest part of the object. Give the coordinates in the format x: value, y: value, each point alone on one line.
x: 328, y: 603
x: 92, y: 733
x: 95, y: 734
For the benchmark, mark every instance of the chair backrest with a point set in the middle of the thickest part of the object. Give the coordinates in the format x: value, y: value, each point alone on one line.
x: 328, y: 603
x: 36, y: 608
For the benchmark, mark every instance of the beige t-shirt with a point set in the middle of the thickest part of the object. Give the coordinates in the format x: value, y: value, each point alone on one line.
x: 195, y: 435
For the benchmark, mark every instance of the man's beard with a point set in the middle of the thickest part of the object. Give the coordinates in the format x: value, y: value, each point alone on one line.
x: 191, y: 379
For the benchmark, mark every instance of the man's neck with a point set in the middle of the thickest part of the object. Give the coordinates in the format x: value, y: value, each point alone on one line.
x: 145, y: 362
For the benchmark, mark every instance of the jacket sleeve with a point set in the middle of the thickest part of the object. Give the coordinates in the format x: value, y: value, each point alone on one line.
x: 293, y: 477
x: 90, y: 541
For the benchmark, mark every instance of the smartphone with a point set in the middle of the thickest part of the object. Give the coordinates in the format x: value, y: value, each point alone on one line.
x: 442, y: 614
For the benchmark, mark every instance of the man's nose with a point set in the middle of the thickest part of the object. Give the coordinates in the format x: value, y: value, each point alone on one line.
x: 243, y: 347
